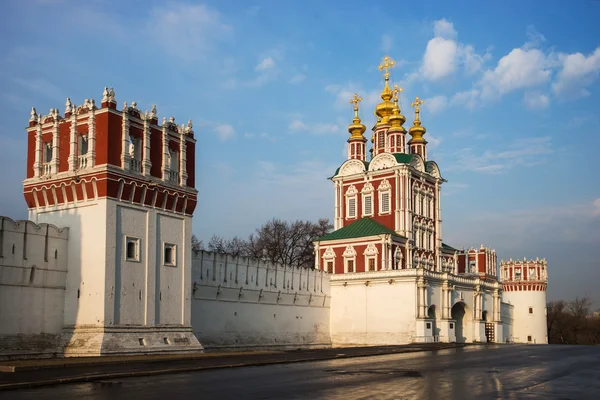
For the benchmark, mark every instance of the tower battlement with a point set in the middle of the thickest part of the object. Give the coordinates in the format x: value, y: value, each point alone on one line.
x: 519, y: 275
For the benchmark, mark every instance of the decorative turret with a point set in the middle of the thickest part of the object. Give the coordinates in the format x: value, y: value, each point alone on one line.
x: 357, y: 141
x: 383, y: 110
x: 397, y: 133
x: 417, y: 144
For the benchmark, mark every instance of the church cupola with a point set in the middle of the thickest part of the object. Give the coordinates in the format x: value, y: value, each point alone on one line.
x: 383, y: 110
x: 356, y: 141
x: 397, y: 133
x: 416, y: 143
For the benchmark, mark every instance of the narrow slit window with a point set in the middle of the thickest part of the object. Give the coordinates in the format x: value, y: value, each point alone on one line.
x: 330, y: 267
x: 350, y: 265
x: 170, y: 255
x: 132, y: 249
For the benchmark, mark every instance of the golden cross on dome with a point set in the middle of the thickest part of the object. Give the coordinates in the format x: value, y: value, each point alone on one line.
x: 415, y: 104
x: 387, y: 63
x: 397, y: 90
x: 355, y: 100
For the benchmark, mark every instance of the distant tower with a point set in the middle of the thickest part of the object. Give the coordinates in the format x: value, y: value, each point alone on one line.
x: 524, y: 284
x: 124, y: 186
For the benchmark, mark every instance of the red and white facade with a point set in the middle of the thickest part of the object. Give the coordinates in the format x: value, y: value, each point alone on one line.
x: 124, y: 186
x: 392, y: 279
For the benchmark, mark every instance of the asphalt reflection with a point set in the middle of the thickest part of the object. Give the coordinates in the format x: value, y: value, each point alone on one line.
x: 504, y: 371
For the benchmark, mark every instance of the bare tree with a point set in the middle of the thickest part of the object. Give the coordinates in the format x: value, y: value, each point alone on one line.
x: 572, y: 322
x: 235, y: 247
x: 197, y: 244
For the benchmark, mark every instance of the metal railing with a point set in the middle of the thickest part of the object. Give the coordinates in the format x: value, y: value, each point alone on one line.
x: 135, y: 165
x: 174, y: 177
x: 46, y: 169
x: 82, y: 161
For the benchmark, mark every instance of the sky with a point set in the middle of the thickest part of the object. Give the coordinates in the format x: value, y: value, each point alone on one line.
x: 511, y: 90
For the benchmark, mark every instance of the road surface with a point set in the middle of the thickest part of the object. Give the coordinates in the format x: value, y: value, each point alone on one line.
x: 479, y: 372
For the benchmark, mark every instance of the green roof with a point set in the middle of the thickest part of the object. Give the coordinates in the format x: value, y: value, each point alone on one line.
x: 361, y: 228
x: 403, y: 158
x: 448, y: 248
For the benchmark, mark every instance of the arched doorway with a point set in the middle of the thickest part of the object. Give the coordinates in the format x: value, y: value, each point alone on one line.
x: 458, y: 315
x: 431, y: 315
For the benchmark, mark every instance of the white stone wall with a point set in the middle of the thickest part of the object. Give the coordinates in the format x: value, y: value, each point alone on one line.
x: 239, y: 302
x: 373, y: 313
x: 526, y: 324
x: 506, y: 313
x: 33, y: 270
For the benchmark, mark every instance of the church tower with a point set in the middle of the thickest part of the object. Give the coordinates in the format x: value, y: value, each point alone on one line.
x: 124, y: 185
x: 524, y: 284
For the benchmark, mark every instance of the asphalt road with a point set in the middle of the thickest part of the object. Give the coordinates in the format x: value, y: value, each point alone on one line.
x: 504, y: 371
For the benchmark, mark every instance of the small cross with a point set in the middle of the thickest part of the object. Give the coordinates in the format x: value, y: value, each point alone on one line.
x: 386, y: 64
x: 355, y: 100
x: 415, y: 104
x: 397, y: 91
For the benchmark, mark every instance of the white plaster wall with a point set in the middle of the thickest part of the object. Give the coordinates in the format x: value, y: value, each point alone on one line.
x: 378, y: 314
x: 239, y: 302
x: 33, y: 270
x: 89, y: 271
x: 506, y: 315
x: 525, y: 324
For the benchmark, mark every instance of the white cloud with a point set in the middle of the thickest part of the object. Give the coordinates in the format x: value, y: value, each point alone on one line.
x: 325, y: 128
x: 266, y: 63
x: 596, y: 207
x: 386, y: 43
x: 519, y: 69
x: 225, y: 131
x: 186, y: 30
x: 536, y: 100
x: 440, y: 58
x: 444, y: 55
x: 444, y: 28
x: 534, y: 38
x: 577, y: 72
x: 297, y: 125
x: 298, y: 78
x: 469, y: 99
x: 525, y: 152
x: 435, y: 104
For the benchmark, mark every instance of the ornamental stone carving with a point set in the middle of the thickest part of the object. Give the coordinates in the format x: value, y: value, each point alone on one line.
x: 351, y: 167
x: 351, y: 191
x: 329, y: 253
x: 349, y: 252
x: 417, y: 163
x: 384, y: 185
x: 368, y: 188
x: 371, y: 250
x: 382, y: 161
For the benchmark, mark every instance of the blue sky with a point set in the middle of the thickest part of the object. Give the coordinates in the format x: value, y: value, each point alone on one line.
x: 511, y: 95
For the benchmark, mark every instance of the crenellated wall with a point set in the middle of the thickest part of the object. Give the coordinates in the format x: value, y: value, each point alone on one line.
x: 241, y: 302
x: 33, y: 272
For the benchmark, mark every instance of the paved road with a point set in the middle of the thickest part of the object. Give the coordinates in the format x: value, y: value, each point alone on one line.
x: 508, y: 372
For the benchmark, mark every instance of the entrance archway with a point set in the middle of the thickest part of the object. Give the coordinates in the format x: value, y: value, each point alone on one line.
x: 458, y: 313
x: 431, y: 315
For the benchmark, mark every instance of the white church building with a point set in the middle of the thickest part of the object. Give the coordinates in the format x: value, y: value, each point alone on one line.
x: 104, y: 264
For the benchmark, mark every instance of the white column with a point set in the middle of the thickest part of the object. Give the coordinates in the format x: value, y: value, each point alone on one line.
x: 55, y: 145
x: 165, y: 158
x: 91, y: 154
x: 125, y: 159
x: 337, y: 206
x: 182, y: 158
x: 438, y: 224
x: 37, y: 165
x: 146, y: 162
x: 73, y: 159
x: 444, y: 301
x: 397, y: 206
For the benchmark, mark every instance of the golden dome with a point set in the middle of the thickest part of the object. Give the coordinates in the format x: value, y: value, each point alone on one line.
x: 356, y: 129
x: 384, y: 110
x: 417, y: 130
x: 397, y: 119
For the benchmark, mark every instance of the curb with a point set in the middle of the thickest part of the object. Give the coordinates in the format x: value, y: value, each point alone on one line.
x: 132, y: 374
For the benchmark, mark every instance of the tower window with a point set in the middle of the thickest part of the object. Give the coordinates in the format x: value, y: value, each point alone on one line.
x: 350, y: 265
x: 381, y: 140
x: 384, y: 202
x: 371, y: 263
x: 351, y: 208
x: 132, y: 249
x: 170, y: 255
x: 530, y: 310
x: 368, y: 205
x: 529, y: 338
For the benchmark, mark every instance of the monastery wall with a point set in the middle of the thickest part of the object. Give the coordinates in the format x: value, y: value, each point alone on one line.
x: 529, y: 316
x: 33, y: 272
x: 239, y: 302
x: 506, y: 314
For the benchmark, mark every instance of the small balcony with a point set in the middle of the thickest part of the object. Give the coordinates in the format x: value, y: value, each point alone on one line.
x: 135, y: 165
x: 46, y: 169
x: 82, y: 161
x: 174, y: 177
